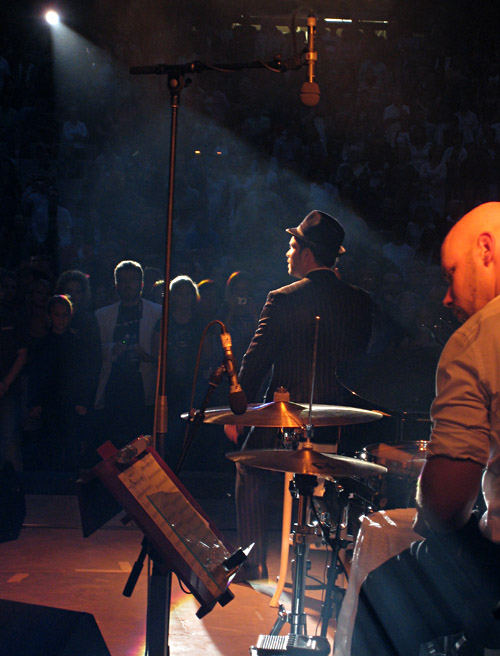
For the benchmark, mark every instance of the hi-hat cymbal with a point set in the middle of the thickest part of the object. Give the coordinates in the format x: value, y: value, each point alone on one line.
x: 284, y: 414
x: 307, y: 461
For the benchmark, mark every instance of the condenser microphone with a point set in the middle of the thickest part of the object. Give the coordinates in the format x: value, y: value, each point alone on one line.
x: 309, y: 91
x: 237, y: 398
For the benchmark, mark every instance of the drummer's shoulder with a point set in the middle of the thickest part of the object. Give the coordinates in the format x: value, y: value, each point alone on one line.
x: 479, y: 330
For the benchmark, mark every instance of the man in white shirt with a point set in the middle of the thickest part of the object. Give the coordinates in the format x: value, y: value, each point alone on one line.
x: 449, y: 583
x: 127, y: 383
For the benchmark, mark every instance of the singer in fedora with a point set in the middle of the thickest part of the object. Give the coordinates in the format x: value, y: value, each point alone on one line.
x: 282, y: 348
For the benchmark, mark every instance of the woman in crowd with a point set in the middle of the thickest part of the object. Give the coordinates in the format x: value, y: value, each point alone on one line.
x: 75, y: 284
x: 58, y: 389
x: 184, y: 333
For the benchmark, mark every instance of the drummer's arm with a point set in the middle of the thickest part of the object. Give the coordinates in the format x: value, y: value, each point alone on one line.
x: 446, y: 493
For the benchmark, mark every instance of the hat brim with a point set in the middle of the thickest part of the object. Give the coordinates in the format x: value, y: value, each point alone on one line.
x: 297, y: 233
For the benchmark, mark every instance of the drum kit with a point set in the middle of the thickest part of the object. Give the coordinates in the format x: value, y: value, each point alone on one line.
x: 380, y: 476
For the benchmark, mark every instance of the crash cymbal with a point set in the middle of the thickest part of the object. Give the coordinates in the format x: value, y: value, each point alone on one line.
x: 307, y: 461
x: 284, y: 414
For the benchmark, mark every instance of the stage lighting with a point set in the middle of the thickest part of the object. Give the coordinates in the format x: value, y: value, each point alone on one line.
x: 52, y: 17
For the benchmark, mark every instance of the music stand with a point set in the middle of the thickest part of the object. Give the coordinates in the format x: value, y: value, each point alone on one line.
x: 178, y: 535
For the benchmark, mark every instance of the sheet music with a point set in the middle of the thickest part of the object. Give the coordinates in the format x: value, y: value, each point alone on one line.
x: 185, y: 528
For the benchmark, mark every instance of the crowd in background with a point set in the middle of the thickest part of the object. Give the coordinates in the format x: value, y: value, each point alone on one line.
x: 404, y: 140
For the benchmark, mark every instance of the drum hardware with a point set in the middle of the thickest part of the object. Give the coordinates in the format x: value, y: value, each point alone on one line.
x: 319, y: 522
x: 302, y: 485
x: 300, y: 462
x: 407, y: 425
x: 306, y: 465
x: 404, y: 461
x: 291, y: 439
x: 334, y: 594
x: 284, y: 414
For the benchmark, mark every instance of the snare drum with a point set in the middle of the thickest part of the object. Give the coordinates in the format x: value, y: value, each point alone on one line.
x: 404, y: 461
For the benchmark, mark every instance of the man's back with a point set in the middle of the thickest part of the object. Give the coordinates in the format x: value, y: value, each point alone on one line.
x: 285, y: 337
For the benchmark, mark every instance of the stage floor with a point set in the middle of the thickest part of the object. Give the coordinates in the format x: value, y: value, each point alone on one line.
x: 51, y: 564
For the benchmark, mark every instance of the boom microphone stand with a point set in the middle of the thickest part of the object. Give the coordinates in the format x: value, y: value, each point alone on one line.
x: 159, y: 584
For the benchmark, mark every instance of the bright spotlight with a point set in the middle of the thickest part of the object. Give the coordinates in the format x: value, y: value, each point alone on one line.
x: 52, y: 17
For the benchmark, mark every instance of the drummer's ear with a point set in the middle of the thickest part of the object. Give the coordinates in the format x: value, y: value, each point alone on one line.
x: 486, y: 244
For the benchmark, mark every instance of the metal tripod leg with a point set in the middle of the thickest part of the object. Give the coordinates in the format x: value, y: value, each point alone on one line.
x: 298, y: 618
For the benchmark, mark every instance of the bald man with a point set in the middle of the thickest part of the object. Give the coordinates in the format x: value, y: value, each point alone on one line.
x: 449, y: 583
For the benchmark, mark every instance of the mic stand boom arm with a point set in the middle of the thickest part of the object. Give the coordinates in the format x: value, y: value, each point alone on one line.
x: 277, y: 65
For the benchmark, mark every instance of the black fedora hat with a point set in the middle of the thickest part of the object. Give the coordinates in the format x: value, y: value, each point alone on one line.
x: 321, y: 230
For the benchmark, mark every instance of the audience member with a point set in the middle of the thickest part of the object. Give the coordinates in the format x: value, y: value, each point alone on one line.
x: 59, y: 392
x: 127, y: 383
x: 36, y: 318
x: 210, y: 301
x: 239, y: 313
x: 184, y: 335
x: 13, y: 354
x: 75, y: 284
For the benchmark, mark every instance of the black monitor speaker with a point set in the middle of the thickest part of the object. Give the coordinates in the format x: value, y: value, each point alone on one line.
x: 31, y: 630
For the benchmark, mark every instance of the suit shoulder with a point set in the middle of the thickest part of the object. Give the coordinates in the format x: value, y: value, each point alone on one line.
x: 293, y: 287
x: 322, y: 284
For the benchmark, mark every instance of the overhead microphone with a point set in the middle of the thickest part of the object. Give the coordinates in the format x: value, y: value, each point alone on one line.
x: 309, y: 91
x: 237, y: 398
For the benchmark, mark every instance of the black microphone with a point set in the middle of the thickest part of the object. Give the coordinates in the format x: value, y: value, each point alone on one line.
x: 237, y: 398
x: 309, y: 91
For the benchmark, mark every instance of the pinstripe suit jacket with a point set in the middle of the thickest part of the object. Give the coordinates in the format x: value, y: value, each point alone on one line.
x: 284, y: 339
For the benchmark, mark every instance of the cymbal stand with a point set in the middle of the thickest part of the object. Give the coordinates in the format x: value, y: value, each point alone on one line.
x: 302, y: 486
x: 309, y: 426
